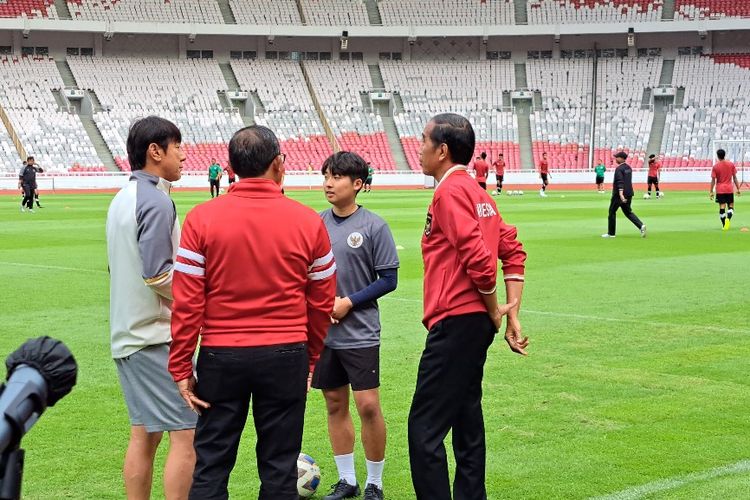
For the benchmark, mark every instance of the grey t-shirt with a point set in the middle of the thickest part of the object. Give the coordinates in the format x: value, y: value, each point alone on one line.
x: 362, y: 245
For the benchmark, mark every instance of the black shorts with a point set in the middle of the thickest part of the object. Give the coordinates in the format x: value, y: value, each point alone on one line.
x: 482, y: 184
x: 213, y: 182
x: 359, y: 368
x: 599, y: 180
x: 368, y: 181
x: 499, y: 179
x: 544, y: 178
x: 725, y: 198
x: 652, y: 179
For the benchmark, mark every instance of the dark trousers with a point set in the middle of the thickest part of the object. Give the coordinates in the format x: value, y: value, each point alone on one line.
x: 214, y: 187
x: 499, y: 183
x: 28, y: 196
x: 275, y: 379
x: 449, y: 396
x: 616, y: 203
x: 653, y: 181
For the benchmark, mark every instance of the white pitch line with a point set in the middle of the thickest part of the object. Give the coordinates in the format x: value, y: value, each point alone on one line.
x: 585, y: 317
x: 677, y: 482
x: 55, y: 268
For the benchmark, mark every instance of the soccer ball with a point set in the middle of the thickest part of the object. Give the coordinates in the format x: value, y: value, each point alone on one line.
x: 308, y: 476
x: 510, y: 193
x: 661, y: 194
x: 494, y: 193
x: 646, y: 196
x: 520, y: 193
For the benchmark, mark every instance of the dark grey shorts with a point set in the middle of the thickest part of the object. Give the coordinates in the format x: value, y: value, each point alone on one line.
x: 151, y: 394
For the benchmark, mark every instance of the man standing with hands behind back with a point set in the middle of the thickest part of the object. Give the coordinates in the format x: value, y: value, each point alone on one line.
x: 622, y: 196
x: 463, y: 238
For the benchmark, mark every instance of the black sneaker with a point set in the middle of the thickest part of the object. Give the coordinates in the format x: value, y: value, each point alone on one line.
x: 372, y: 492
x: 342, y: 489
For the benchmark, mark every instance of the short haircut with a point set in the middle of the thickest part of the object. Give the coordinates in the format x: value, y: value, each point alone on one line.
x: 499, y: 154
x: 721, y: 154
x: 483, y: 155
x: 252, y: 150
x: 29, y: 158
x: 651, y: 157
x: 456, y: 132
x: 147, y: 131
x: 347, y: 164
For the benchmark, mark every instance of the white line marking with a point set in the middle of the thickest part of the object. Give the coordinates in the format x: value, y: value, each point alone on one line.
x: 55, y: 268
x: 659, y: 324
x: 677, y: 482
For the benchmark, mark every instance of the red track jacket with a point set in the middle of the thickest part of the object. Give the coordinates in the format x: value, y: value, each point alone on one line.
x: 254, y: 268
x: 463, y: 238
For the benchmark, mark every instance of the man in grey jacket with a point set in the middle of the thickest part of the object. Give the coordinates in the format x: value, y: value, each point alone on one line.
x: 143, y: 235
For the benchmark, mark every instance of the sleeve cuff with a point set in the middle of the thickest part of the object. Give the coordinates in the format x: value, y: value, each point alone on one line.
x: 488, y: 292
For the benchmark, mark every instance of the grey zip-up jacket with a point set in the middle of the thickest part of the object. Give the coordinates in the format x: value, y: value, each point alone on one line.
x: 143, y: 234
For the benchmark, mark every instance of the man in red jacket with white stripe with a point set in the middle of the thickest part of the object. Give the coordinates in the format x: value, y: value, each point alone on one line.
x: 259, y: 290
x: 463, y: 238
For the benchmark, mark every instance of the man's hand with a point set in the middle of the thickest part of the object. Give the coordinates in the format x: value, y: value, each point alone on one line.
x: 738, y: 192
x: 500, y: 311
x: 513, y: 337
x: 710, y: 195
x: 309, y: 381
x: 341, y: 307
x: 186, y: 388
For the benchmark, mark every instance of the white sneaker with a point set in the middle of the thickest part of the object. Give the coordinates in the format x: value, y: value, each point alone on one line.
x: 31, y: 210
x: 23, y: 209
x: 643, y: 231
x: 607, y: 235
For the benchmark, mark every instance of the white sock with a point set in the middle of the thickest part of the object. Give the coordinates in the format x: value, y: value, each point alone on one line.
x: 345, y: 465
x: 375, y: 473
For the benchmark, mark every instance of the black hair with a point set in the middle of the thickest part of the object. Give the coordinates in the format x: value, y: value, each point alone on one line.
x: 147, y: 131
x: 29, y: 158
x: 721, y: 154
x: 483, y: 155
x: 500, y: 154
x: 456, y: 132
x: 347, y: 164
x: 651, y: 157
x: 252, y: 150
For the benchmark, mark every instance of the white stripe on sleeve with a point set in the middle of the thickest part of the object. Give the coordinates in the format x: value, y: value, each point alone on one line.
x: 189, y: 254
x: 518, y: 277
x: 321, y: 275
x: 188, y: 269
x: 322, y: 261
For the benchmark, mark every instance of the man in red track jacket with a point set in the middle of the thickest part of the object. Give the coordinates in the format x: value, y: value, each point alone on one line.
x: 463, y: 238
x: 259, y: 290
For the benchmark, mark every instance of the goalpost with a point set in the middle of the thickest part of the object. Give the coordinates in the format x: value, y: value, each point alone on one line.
x: 738, y: 152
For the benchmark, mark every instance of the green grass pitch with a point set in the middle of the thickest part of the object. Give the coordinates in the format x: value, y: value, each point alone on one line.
x: 636, y: 380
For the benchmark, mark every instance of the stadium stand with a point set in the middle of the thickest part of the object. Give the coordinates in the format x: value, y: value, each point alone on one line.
x: 691, y: 10
x: 128, y: 88
x: 9, y: 160
x: 54, y: 137
x: 160, y: 11
x: 338, y: 86
x: 28, y: 8
x: 427, y: 88
x: 335, y: 12
x: 592, y: 11
x: 621, y: 124
x: 270, y: 13
x: 562, y: 127
x: 716, y: 107
x: 289, y: 109
x: 462, y: 12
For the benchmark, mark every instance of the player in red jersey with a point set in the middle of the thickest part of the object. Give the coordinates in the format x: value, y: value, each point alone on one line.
x: 544, y: 174
x: 723, y: 175
x: 654, y: 167
x: 481, y: 170
x: 499, y: 167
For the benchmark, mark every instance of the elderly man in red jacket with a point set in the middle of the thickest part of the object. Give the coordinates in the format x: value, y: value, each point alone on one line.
x: 464, y: 236
x: 259, y: 290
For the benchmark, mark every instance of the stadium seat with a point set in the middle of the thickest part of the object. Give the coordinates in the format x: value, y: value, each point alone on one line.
x: 29, y: 9
x: 266, y: 13
x: 691, y: 10
x: 157, y: 11
x: 462, y: 12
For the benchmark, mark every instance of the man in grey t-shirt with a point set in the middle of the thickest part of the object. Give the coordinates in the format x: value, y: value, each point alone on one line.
x: 367, y: 264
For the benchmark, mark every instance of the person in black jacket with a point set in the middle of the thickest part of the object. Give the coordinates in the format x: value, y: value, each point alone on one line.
x: 622, y: 195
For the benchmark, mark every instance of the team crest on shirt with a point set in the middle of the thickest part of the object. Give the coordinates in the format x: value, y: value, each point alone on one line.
x: 428, y: 224
x: 355, y: 240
